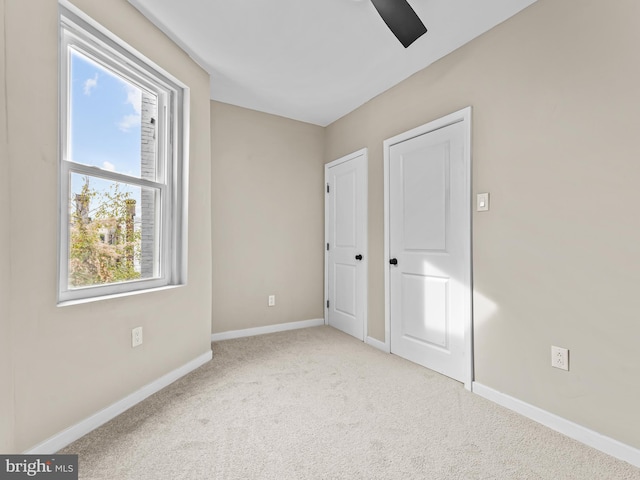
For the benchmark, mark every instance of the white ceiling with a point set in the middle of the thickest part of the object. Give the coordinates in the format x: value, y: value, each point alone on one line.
x: 314, y: 60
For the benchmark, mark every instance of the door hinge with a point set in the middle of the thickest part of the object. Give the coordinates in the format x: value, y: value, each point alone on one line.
x: 327, y: 303
x: 327, y: 247
x: 327, y: 188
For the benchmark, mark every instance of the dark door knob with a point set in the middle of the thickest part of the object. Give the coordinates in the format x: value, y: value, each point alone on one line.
x: 358, y: 257
x: 393, y: 261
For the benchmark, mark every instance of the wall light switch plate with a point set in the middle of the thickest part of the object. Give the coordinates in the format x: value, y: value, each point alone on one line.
x: 272, y: 301
x: 482, y: 204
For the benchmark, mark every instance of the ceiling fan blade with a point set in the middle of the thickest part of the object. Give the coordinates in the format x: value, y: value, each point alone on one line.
x: 401, y: 19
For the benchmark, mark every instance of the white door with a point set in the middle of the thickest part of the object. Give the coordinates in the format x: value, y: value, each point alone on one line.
x: 346, y: 242
x: 429, y: 249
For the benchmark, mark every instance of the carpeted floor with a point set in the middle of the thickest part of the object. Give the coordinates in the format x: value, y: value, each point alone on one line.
x: 318, y: 404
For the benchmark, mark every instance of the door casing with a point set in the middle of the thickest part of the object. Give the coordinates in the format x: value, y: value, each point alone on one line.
x: 464, y: 116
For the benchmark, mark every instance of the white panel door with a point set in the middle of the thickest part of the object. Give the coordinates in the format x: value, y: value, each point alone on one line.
x: 429, y: 249
x: 346, y: 244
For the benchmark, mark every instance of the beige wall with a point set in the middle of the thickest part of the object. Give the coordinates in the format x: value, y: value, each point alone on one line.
x: 266, y: 182
x: 6, y: 377
x: 70, y: 362
x: 555, y: 94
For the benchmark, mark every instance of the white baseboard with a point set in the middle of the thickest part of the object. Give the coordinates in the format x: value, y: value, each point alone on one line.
x: 573, y: 430
x: 377, y: 344
x: 280, y: 327
x: 73, y: 433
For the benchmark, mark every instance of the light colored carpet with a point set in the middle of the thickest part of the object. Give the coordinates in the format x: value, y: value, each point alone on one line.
x: 318, y: 404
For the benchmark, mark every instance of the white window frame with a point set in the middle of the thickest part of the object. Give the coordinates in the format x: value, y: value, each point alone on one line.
x: 84, y: 35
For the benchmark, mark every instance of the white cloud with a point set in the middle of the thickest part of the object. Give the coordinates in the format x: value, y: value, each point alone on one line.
x: 108, y: 166
x: 90, y: 84
x: 128, y: 122
x: 134, y: 98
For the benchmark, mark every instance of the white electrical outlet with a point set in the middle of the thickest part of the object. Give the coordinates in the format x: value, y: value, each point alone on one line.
x: 136, y: 337
x: 560, y: 358
x: 272, y: 300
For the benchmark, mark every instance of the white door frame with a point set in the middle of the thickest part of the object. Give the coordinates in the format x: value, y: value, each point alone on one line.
x: 464, y: 116
x: 365, y: 248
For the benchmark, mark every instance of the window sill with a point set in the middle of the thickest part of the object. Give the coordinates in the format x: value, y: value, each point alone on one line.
x: 68, y: 303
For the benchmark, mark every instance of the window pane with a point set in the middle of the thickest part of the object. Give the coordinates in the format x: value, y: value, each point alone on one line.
x: 112, y: 121
x: 113, y: 234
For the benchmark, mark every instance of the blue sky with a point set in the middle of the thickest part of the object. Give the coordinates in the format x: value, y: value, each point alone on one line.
x: 104, y: 124
x: 105, y: 118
